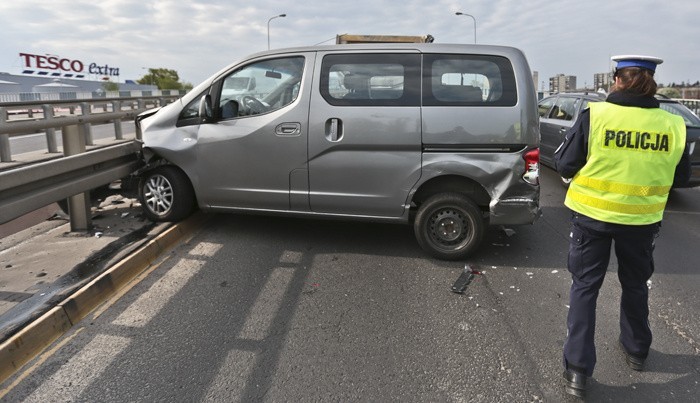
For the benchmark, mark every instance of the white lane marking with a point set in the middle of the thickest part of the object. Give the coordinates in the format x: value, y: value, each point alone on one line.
x: 80, y: 371
x: 230, y: 382
x: 205, y: 249
x: 291, y: 257
x: 148, y: 304
x: 267, y: 304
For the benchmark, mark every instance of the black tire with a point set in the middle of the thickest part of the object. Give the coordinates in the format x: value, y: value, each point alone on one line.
x: 449, y: 226
x: 166, y: 194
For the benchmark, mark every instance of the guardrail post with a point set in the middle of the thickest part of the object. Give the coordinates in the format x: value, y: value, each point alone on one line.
x: 78, y: 205
x: 86, y: 127
x: 5, y: 152
x: 117, y: 107
x: 50, y: 132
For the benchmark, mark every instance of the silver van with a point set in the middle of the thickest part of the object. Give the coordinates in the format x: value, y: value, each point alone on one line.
x: 444, y: 137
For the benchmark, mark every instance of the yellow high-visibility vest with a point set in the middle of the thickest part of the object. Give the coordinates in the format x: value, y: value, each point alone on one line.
x: 632, y: 157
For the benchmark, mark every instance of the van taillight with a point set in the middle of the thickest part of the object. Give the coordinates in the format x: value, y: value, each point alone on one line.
x: 532, y: 167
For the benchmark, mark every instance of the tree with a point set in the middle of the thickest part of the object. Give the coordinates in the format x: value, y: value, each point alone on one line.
x: 110, y: 86
x: 164, y: 79
x: 669, y: 92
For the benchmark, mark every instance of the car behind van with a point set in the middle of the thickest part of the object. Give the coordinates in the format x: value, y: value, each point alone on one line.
x: 443, y: 137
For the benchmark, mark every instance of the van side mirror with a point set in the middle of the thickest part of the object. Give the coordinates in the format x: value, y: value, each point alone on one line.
x: 205, y: 112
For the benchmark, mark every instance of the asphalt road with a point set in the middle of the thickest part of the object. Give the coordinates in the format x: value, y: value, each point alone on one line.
x: 276, y: 309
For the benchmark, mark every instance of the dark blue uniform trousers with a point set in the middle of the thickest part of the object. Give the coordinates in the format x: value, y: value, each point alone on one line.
x: 589, y: 255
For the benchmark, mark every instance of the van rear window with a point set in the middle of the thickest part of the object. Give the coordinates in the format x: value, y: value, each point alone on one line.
x: 468, y: 80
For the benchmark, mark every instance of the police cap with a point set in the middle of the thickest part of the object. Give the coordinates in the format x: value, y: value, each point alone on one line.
x: 645, y: 62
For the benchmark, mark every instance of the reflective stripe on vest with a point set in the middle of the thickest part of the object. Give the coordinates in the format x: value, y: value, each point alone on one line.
x: 632, y: 156
x: 623, y: 188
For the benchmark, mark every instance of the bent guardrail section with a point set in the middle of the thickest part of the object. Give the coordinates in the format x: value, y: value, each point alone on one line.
x: 25, y: 188
x: 30, y: 187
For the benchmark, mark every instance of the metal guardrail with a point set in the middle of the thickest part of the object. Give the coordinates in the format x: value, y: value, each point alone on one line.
x: 26, y: 188
x: 20, y: 118
x: 692, y: 104
x: 31, y: 187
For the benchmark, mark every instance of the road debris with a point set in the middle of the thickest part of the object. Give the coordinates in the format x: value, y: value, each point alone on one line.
x: 464, y: 279
x: 509, y: 232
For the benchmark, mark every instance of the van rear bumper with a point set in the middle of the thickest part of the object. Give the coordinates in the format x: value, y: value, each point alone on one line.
x: 514, y: 211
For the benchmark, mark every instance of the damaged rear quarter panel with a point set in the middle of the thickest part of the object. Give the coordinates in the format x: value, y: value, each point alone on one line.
x: 512, y: 200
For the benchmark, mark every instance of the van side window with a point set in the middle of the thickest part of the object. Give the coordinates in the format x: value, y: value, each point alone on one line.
x: 190, y: 113
x: 260, y: 87
x: 191, y: 110
x: 371, y: 79
x: 468, y: 80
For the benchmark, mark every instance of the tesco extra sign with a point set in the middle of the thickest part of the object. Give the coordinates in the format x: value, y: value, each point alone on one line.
x: 63, y: 65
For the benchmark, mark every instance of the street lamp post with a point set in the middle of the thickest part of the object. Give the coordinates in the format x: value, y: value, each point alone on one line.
x: 469, y: 15
x: 268, y: 28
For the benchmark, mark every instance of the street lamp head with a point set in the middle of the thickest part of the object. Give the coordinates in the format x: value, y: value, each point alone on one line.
x: 473, y: 18
x: 268, y: 28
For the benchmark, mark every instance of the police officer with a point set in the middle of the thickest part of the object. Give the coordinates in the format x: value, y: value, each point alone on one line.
x: 623, y: 155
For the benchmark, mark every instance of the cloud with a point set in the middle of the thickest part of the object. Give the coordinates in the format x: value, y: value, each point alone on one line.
x: 197, y: 38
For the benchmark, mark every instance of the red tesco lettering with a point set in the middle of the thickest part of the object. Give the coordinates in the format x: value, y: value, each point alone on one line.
x: 51, y: 63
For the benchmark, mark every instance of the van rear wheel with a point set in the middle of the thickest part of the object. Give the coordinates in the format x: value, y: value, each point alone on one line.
x: 449, y: 226
x: 166, y: 194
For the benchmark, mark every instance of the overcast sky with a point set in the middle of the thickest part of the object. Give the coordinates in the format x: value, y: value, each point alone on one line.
x: 198, y: 37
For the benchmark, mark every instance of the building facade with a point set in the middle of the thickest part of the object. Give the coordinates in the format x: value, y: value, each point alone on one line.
x: 19, y: 87
x: 602, y: 81
x: 562, y: 83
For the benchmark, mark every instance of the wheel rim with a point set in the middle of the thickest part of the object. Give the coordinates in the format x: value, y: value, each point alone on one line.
x: 158, y: 194
x: 449, y: 229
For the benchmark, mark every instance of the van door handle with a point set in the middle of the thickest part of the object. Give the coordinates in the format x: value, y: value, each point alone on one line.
x: 334, y: 130
x: 288, y: 129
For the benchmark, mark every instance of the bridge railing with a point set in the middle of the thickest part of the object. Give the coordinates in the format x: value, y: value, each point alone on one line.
x: 692, y: 104
x: 22, y: 118
x: 26, y: 187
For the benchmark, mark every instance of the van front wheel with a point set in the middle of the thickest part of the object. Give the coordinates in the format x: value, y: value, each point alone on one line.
x: 449, y: 226
x: 166, y: 194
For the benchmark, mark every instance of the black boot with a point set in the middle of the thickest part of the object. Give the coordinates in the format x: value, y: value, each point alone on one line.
x: 575, y: 383
x: 633, y: 361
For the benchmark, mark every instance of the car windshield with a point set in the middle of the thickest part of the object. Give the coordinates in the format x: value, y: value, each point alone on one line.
x: 682, y: 111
